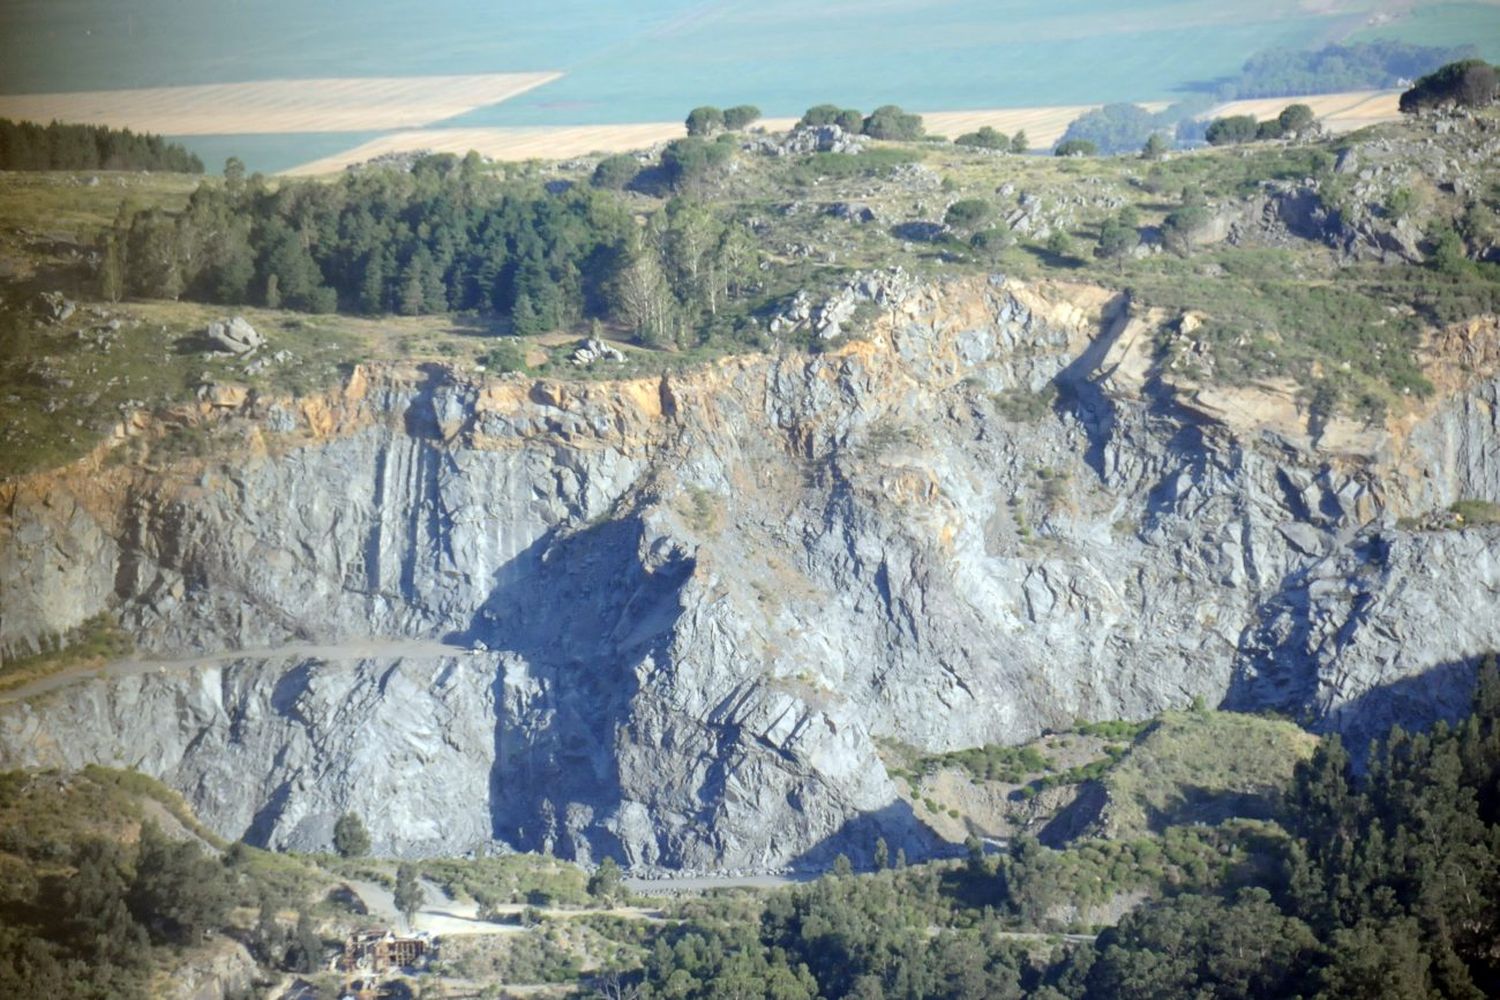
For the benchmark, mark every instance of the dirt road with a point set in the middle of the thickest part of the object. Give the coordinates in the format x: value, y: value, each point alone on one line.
x: 340, y: 652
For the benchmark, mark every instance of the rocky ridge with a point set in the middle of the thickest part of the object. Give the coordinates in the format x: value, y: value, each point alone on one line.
x: 703, y: 598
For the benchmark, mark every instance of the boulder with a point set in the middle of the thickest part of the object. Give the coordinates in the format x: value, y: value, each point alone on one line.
x: 235, y: 335
x: 55, y: 306
x: 593, y: 350
x: 853, y: 211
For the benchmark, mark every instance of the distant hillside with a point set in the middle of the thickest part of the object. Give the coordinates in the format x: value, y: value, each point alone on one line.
x: 1380, y: 65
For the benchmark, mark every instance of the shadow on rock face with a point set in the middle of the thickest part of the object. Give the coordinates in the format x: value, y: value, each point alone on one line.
x: 1444, y: 693
x: 896, y: 824
x: 582, y: 615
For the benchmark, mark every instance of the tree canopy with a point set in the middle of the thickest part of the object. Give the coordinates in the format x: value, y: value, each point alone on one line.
x: 1470, y: 83
x: 705, y: 120
x: 740, y: 116
x: 890, y: 122
x: 1075, y: 147
x: 1377, y: 65
x: 350, y: 839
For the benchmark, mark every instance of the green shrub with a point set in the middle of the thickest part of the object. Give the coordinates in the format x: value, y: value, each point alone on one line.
x: 614, y: 173
x: 1477, y: 511
x: 985, y: 138
x: 968, y: 214
x: 1075, y: 147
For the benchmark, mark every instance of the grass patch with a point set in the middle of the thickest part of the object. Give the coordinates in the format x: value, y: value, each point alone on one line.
x: 70, y: 205
x: 1202, y: 767
x: 1477, y: 511
x: 872, y: 162
x: 141, y: 786
x: 96, y: 642
x: 512, y: 878
x: 1022, y: 406
x: 44, y: 813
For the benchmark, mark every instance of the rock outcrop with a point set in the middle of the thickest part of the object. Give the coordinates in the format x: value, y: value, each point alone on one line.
x: 704, y: 599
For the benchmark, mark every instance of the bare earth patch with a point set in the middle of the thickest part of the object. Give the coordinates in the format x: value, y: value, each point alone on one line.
x: 345, y: 104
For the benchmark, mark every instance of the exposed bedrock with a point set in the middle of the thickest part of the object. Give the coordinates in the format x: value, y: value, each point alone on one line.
x: 702, y: 602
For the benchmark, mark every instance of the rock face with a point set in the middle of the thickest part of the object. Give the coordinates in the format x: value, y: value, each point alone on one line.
x: 704, y: 599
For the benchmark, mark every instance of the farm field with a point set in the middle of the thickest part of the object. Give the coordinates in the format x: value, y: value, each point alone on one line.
x: 572, y: 75
x: 286, y: 106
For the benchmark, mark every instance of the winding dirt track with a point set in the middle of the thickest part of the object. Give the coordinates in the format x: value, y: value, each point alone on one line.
x: 353, y: 649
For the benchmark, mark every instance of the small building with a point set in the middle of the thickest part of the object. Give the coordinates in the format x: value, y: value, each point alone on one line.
x: 379, y: 950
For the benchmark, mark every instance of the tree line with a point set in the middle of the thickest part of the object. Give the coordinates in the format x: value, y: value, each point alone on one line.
x: 28, y: 146
x: 1378, y: 65
x: 888, y: 121
x: 444, y: 236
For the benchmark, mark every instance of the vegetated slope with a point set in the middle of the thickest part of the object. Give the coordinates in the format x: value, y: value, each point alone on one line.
x: 109, y: 891
x: 980, y: 506
x: 1201, y: 767
x: 1350, y: 893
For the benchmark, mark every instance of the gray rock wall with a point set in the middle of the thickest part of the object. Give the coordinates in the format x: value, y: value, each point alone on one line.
x: 705, y: 601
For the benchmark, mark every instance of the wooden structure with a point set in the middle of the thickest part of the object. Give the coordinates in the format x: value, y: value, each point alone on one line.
x: 380, y: 950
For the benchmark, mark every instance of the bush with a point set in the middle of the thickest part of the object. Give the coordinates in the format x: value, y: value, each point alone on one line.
x: 1114, y: 128
x: 1233, y: 129
x: 1115, y: 240
x: 993, y: 241
x: 968, y: 214
x: 1075, y: 147
x: 850, y: 120
x: 819, y: 114
x: 985, y: 138
x: 504, y: 358
x: 1477, y: 511
x: 1178, y: 228
x: 604, y: 884
x: 614, y: 173
x: 350, y: 839
x: 1269, y: 129
x: 688, y: 161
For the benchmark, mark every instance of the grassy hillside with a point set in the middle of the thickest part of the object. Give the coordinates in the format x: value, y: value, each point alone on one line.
x: 1201, y: 767
x: 1338, y: 315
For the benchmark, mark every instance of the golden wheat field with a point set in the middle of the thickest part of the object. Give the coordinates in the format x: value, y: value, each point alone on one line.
x: 1339, y: 112
x: 343, y: 104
